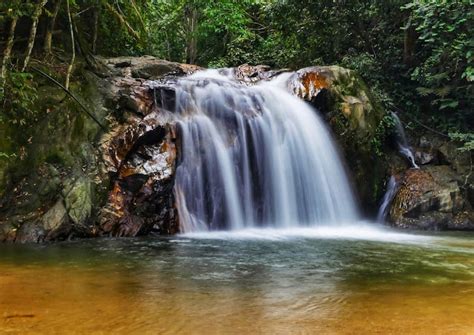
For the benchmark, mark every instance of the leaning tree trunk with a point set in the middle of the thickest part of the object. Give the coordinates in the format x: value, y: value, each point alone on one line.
x: 73, y: 45
x: 34, y: 27
x: 8, y: 51
x: 48, y: 38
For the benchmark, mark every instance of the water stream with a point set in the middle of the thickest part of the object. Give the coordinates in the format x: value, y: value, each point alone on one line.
x: 392, y: 188
x: 255, y: 156
x: 402, y: 142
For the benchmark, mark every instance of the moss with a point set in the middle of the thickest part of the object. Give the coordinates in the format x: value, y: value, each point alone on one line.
x: 52, y: 162
x: 358, y: 122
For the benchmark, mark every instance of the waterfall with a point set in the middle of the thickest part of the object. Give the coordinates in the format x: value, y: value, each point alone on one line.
x: 402, y: 142
x: 392, y: 188
x: 254, y: 156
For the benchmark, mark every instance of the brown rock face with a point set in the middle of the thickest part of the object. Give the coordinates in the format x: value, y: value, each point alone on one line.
x: 142, y: 158
x: 431, y: 198
x: 139, y: 152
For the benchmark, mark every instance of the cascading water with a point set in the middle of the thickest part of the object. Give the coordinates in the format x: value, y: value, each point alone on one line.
x: 392, y: 188
x: 254, y: 156
x: 402, y: 142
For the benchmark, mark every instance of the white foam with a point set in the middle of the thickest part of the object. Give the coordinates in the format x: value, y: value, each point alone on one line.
x: 357, y: 231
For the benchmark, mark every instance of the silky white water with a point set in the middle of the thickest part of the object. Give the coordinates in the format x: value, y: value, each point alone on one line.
x: 365, y: 231
x: 254, y: 156
x: 392, y: 188
x: 402, y: 142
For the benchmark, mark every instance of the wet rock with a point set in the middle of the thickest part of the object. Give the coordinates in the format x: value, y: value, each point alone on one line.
x: 147, y: 67
x: 424, y: 142
x: 7, y: 232
x: 56, y: 221
x: 142, y: 157
x: 430, y: 198
x: 252, y: 74
x: 462, y: 221
x: 424, y: 157
x: 460, y: 161
x: 136, y: 99
x: 30, y: 232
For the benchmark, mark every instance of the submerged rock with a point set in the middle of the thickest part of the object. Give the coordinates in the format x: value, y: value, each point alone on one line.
x: 30, y: 232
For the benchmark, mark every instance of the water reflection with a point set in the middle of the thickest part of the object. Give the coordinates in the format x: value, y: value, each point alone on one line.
x: 206, y: 285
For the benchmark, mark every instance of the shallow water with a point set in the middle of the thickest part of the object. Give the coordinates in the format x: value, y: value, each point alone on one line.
x: 320, y: 281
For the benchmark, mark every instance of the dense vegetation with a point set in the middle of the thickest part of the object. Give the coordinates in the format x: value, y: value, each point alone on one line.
x: 417, y: 55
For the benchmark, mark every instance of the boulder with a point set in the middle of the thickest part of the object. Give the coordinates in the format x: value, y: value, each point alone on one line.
x: 430, y: 198
x: 56, y: 221
x: 30, y: 232
x: 7, y: 232
x: 78, y: 201
x: 146, y: 67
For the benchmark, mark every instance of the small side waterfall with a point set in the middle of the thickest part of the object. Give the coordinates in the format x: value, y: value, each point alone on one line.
x: 254, y: 156
x: 390, y: 193
x: 402, y: 142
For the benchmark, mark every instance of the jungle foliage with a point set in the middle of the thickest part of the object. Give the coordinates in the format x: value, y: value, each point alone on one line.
x: 417, y: 55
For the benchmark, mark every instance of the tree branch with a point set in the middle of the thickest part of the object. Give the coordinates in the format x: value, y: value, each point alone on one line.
x: 73, y: 56
x: 122, y: 21
x: 71, y: 95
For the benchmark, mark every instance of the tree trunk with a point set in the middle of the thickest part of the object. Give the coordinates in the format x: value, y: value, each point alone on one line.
x: 191, y: 38
x: 73, y: 45
x: 34, y: 27
x: 48, y: 38
x: 8, y: 51
x: 95, y: 30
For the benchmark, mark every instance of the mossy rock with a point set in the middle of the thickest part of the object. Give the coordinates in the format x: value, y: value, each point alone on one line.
x: 62, y: 165
x: 78, y: 200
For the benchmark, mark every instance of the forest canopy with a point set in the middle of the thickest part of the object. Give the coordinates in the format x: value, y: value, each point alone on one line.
x: 417, y: 56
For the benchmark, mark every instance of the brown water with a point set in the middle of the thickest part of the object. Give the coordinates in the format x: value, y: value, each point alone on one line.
x: 321, y: 283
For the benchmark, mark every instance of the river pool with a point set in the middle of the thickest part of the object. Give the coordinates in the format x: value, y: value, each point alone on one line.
x: 357, y: 280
